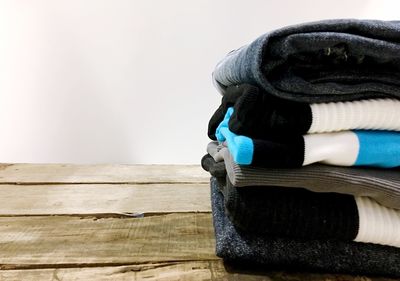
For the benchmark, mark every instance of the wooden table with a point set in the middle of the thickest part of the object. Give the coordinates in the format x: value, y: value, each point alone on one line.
x: 113, y: 222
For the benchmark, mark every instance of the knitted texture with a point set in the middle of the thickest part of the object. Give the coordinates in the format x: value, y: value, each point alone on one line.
x: 377, y: 223
x: 214, y: 168
x: 375, y: 114
x: 279, y: 151
x: 325, y: 61
x: 298, y: 254
x: 228, y: 100
x: 347, y: 148
x: 214, y: 148
x: 269, y: 210
x: 382, y: 185
x: 292, y: 212
x: 259, y: 115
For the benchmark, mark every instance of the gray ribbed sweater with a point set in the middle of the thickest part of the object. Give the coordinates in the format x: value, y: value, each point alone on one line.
x: 383, y: 185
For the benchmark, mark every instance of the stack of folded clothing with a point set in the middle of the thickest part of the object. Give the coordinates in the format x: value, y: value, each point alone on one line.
x: 306, y: 149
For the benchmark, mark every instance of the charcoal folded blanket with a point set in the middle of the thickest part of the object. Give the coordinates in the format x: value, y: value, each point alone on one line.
x: 381, y: 185
x: 298, y: 254
x: 259, y: 115
x: 345, y: 148
x: 324, y: 61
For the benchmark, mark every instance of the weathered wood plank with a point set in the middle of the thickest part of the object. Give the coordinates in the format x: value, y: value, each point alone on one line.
x: 170, y: 271
x: 168, y: 247
x: 66, y: 241
x: 69, y: 173
x: 192, y: 270
x: 77, y: 199
x: 163, y: 271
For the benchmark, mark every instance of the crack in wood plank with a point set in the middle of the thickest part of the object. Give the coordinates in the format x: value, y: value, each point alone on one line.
x: 138, y: 266
x: 108, y: 183
x: 105, y: 215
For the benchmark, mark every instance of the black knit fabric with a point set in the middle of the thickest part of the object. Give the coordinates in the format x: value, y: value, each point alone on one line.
x: 259, y: 115
x: 279, y: 152
x: 217, y: 169
x: 228, y: 100
x: 285, y: 211
x: 291, y: 212
x: 298, y: 254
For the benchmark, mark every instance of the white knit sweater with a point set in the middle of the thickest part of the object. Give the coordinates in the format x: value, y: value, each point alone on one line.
x: 379, y: 114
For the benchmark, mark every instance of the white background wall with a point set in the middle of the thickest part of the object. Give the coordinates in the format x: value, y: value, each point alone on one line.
x: 125, y: 81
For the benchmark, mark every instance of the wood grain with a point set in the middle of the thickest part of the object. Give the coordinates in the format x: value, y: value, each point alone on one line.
x: 26, y: 242
x: 69, y: 173
x: 55, y: 224
x: 173, y: 271
x: 163, y: 271
x: 103, y: 199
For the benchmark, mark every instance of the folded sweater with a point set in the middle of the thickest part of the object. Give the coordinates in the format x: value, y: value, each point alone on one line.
x: 298, y: 254
x: 383, y: 186
x: 300, y: 213
x: 324, y: 61
x: 347, y: 148
x: 259, y: 115
x: 228, y: 100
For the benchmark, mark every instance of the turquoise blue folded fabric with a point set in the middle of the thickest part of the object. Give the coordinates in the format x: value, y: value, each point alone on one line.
x: 324, y: 61
x: 241, y: 147
x: 347, y: 148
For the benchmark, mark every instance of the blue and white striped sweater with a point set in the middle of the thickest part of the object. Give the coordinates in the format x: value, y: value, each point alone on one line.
x: 345, y: 148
